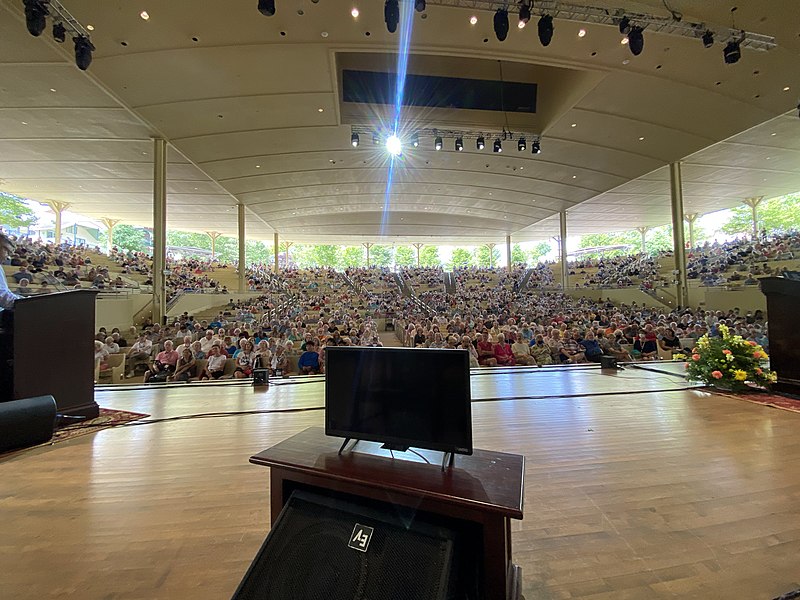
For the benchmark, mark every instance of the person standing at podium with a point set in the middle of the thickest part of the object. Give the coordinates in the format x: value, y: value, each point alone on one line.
x: 7, y: 297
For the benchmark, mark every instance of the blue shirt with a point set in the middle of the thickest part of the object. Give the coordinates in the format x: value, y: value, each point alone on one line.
x: 309, y: 359
x: 7, y: 297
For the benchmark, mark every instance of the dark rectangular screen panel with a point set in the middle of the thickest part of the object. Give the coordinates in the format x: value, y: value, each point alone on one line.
x: 367, y: 87
x: 406, y: 396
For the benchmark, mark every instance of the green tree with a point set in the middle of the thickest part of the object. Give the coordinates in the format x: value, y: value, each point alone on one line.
x: 14, y: 212
x: 405, y: 256
x: 461, y: 257
x: 188, y: 239
x: 128, y: 237
x: 632, y: 239
x: 777, y: 214
x: 518, y: 255
x: 325, y: 255
x: 538, y: 251
x: 429, y: 257
x: 258, y: 252
x: 484, y: 259
x: 381, y: 256
x: 659, y: 239
x: 354, y: 256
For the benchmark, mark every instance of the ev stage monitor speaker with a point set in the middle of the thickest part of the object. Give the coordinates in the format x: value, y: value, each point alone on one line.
x: 323, y: 548
x: 26, y: 422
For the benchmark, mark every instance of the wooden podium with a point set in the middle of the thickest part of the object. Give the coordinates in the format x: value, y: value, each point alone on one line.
x: 47, y: 348
x: 783, y: 300
x: 484, y: 489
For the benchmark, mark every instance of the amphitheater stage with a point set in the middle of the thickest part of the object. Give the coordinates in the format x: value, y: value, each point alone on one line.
x: 637, y: 486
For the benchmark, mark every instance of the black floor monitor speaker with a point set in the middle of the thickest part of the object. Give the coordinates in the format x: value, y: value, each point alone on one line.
x: 323, y: 548
x: 608, y: 362
x: 26, y: 422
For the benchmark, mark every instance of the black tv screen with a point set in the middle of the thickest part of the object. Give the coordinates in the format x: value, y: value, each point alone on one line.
x: 406, y: 397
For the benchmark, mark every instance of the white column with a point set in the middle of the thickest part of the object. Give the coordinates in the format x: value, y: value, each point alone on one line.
x: 563, y: 243
x: 242, y: 251
x: 678, y: 243
x: 159, y: 229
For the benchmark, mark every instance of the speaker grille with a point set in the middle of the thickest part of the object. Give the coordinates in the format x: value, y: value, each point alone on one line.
x: 306, y: 556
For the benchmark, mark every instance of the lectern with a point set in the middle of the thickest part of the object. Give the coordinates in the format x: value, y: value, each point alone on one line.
x: 783, y: 300
x: 47, y: 348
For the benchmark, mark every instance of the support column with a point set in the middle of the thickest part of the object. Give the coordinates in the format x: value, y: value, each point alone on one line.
x: 213, y: 235
x: 563, y: 244
x: 242, y: 251
x: 643, y: 231
x: 508, y: 252
x: 159, y: 229
x: 753, y: 204
x: 690, y: 219
x: 110, y: 224
x: 418, y: 247
x: 275, y: 249
x: 491, y: 248
x: 287, y: 245
x: 368, y: 245
x: 57, y: 207
x: 678, y: 243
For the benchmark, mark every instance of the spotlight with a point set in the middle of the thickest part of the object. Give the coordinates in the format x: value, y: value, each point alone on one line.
x: 636, y: 40
x: 266, y: 7
x: 624, y: 25
x: 536, y: 147
x: 59, y: 33
x: 376, y: 138
x: 437, y: 143
x: 501, y: 24
x: 459, y: 144
x: 732, y: 52
x: 83, y: 52
x: 498, y: 146
x: 415, y: 140
x: 524, y: 13
x: 35, y: 16
x: 708, y: 39
x: 522, y: 145
x: 391, y: 14
x: 394, y: 145
x: 354, y: 140
x: 419, y: 5
x: 480, y: 143
x: 546, y: 30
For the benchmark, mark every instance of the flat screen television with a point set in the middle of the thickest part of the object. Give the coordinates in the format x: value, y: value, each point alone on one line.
x: 402, y: 397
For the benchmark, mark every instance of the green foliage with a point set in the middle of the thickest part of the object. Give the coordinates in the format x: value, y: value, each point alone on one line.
x: 777, y: 214
x: 461, y: 257
x: 429, y: 257
x: 355, y: 256
x: 484, y: 259
x: 325, y: 255
x: 258, y: 252
x: 14, y: 212
x: 188, y: 239
x: 518, y: 255
x: 381, y: 256
x: 598, y: 240
x: 405, y: 256
x: 538, y: 251
x: 659, y: 239
x: 128, y: 237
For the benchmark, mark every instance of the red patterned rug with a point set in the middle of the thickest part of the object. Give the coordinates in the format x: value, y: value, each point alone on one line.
x: 109, y: 417
x: 767, y: 399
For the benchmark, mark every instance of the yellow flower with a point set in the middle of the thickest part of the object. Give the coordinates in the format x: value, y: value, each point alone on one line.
x: 740, y: 375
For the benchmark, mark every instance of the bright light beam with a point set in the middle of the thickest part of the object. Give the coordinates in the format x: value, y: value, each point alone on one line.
x: 394, y: 145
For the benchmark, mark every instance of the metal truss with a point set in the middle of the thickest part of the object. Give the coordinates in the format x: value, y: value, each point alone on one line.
x: 59, y: 14
x: 427, y: 132
x: 611, y: 16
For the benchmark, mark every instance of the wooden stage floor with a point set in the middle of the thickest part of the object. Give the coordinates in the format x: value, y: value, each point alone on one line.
x: 636, y: 488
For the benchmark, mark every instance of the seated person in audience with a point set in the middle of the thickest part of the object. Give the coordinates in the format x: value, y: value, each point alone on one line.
x: 187, y: 344
x: 245, y: 359
x: 111, y: 346
x: 280, y: 361
x: 612, y: 345
x: 591, y: 347
x: 228, y: 347
x: 263, y: 355
x: 207, y: 341
x: 215, y: 365
x: 309, y: 360
x: 522, y: 352
x: 138, y: 353
x: 197, y: 350
x: 118, y: 339
x: 164, y: 365
x: 185, y: 367
x: 571, y: 350
x: 437, y: 342
x: 644, y: 348
x: 485, y: 350
x: 540, y: 351
x: 100, y: 355
x: 466, y: 344
x: 502, y: 352
x: 669, y: 341
x: 23, y: 273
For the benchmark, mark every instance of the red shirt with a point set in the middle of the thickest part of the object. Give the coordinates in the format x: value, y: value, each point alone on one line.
x: 503, y: 354
x: 168, y: 358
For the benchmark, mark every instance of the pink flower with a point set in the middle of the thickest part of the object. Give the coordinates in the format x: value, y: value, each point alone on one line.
x: 752, y: 343
x: 695, y: 357
x: 685, y: 365
x: 726, y: 351
x: 757, y: 354
x: 716, y: 374
x: 759, y: 371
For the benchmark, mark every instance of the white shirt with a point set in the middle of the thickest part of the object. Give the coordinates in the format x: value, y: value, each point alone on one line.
x: 7, y: 297
x: 205, y: 343
x: 216, y: 363
x: 145, y: 346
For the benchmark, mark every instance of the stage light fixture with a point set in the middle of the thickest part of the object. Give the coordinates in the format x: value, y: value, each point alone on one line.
x: 524, y: 13
x: 536, y: 147
x: 415, y: 140
x: 480, y: 143
x: 459, y: 144
x: 391, y: 15
x: 501, y: 24
x: 354, y: 140
x: 419, y: 5
x: 546, y: 30
x: 624, y: 25
x: 708, y: 39
x: 266, y: 7
x: 59, y: 33
x: 522, y: 145
x: 732, y: 52
x: 636, y: 40
x: 498, y: 146
x: 394, y: 145
x: 83, y: 52
x: 437, y: 143
x: 36, y: 16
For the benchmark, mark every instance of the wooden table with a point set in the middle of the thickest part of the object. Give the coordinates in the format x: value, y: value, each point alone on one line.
x: 485, y: 488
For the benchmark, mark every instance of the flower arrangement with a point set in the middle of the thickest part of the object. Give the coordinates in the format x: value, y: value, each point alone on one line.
x: 728, y: 361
